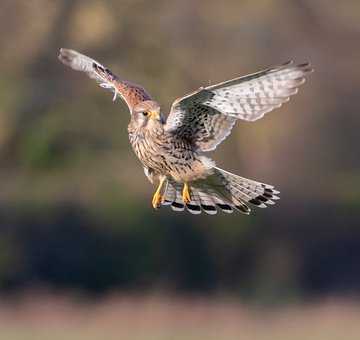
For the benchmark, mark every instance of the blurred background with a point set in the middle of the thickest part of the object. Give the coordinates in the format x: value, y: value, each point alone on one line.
x: 82, y: 253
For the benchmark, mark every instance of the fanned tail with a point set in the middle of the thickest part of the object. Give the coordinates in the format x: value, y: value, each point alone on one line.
x: 220, y: 191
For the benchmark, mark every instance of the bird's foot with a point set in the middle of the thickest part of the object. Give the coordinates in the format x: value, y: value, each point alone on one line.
x: 157, y: 200
x: 186, y: 196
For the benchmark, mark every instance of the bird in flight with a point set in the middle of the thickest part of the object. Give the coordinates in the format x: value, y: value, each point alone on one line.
x: 173, y: 150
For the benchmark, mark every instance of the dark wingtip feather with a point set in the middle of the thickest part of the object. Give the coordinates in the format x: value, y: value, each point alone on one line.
x: 306, y: 64
x: 110, y: 74
x: 98, y: 67
x: 287, y: 63
x: 306, y: 67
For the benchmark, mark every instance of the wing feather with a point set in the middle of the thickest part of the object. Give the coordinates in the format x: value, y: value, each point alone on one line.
x: 206, y: 117
x: 131, y: 93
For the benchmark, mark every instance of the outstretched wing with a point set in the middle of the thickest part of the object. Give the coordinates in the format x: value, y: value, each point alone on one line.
x: 131, y: 93
x: 206, y: 117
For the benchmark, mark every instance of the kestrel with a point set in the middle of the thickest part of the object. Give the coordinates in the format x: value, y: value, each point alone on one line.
x: 173, y: 150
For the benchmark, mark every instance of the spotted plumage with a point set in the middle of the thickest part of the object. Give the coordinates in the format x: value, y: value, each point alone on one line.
x: 172, y: 150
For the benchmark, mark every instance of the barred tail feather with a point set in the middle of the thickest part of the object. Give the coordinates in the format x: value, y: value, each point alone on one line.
x: 246, y: 190
x: 220, y: 191
x: 172, y: 196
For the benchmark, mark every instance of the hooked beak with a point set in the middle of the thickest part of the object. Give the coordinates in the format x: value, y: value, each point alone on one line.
x: 156, y: 116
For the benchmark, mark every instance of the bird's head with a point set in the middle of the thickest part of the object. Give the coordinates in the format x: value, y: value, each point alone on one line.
x: 147, y: 113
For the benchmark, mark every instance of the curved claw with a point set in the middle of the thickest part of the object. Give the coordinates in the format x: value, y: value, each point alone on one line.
x: 186, y: 196
x: 158, y: 198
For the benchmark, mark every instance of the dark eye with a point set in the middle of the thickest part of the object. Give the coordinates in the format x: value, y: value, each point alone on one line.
x: 145, y: 113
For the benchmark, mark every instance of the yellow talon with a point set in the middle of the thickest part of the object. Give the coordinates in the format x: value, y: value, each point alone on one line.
x: 158, y: 197
x: 186, y: 194
x: 157, y: 200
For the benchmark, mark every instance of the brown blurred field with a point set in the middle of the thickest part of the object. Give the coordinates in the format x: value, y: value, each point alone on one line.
x: 157, y: 317
x: 75, y: 212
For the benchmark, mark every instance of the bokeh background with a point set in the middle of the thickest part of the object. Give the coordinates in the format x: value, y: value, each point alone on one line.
x: 82, y: 253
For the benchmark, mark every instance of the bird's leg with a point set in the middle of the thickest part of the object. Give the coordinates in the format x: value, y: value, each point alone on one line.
x: 158, y: 197
x: 186, y: 196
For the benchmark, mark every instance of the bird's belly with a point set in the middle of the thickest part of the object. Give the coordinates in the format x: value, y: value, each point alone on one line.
x: 182, y: 164
x: 151, y: 156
